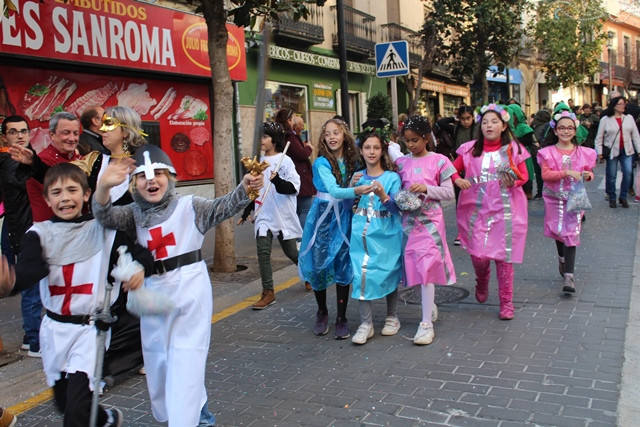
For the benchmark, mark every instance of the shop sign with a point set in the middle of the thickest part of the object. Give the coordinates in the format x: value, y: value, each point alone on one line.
x: 313, y: 59
x: 181, y: 112
x: 322, y: 96
x: 120, y: 33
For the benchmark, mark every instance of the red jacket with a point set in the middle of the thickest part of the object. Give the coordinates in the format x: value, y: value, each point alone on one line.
x: 49, y: 156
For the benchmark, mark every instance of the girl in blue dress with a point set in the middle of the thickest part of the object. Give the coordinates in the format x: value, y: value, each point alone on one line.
x: 376, y: 238
x: 324, y: 250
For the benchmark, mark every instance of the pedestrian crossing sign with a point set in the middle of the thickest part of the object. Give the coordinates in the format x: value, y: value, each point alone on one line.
x: 392, y: 59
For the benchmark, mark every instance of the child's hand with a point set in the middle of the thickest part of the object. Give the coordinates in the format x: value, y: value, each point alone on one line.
x: 273, y: 175
x: 418, y: 188
x: 363, y: 189
x: 574, y: 174
x: 117, y: 172
x: 7, y: 276
x: 255, y: 182
x: 587, y: 175
x: 356, y: 177
x: 135, y: 282
x: 463, y: 184
x: 378, y: 190
x: 507, y: 180
x: 21, y: 154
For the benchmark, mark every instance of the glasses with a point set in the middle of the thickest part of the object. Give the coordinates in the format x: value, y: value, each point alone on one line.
x: 566, y: 128
x: 14, y: 132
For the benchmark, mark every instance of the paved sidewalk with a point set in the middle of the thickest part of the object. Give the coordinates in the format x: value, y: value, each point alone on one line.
x: 558, y: 363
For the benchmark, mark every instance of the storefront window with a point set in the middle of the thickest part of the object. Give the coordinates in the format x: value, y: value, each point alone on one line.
x: 451, y: 103
x: 281, y: 95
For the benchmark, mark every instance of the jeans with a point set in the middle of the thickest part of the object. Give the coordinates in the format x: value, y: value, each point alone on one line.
x: 30, y: 305
x: 304, y: 204
x: 263, y: 244
x: 207, y: 419
x: 611, y: 172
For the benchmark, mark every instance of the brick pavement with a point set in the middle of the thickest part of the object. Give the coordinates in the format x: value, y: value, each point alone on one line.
x: 558, y: 363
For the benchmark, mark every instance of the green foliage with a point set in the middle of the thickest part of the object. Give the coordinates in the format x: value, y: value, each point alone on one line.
x: 244, y: 13
x: 379, y: 106
x: 569, y: 35
x: 475, y: 34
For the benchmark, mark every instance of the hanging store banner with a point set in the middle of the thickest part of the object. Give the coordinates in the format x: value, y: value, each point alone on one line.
x: 118, y: 33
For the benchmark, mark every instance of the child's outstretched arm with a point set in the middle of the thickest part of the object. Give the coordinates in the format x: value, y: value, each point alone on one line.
x: 29, y: 269
x: 211, y: 212
x: 116, y: 217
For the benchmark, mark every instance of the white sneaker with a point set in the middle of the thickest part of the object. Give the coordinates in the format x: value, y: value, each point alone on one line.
x: 364, y: 332
x: 434, y: 314
x: 425, y: 334
x: 35, y: 354
x: 391, y: 326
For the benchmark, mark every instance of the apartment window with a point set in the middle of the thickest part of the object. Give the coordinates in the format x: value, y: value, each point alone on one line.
x: 627, y: 51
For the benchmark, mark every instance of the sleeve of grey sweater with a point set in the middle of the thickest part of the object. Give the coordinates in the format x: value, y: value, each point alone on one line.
x: 115, y: 217
x: 211, y: 212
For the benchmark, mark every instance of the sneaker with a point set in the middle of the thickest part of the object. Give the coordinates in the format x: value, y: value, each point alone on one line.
x: 142, y: 371
x: 341, y: 331
x: 25, y: 343
x: 115, y: 418
x: 7, y: 419
x: 391, y: 326
x: 636, y: 199
x: 425, y: 334
x: 34, y: 351
x: 568, y: 287
x: 364, y: 332
x: 322, y: 323
x: 456, y: 241
x: 307, y: 286
x: 434, y: 313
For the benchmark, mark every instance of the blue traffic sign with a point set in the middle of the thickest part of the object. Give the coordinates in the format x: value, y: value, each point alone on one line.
x: 392, y: 59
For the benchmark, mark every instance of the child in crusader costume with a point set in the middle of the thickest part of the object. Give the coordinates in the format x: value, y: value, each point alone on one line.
x: 376, y: 238
x: 277, y: 209
x: 425, y: 175
x: 324, y: 250
x: 175, y: 346
x: 71, y: 256
x: 492, y: 208
x: 563, y: 163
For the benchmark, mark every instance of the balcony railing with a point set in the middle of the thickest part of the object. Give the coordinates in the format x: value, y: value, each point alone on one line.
x: 393, y: 32
x: 307, y: 31
x: 360, y: 31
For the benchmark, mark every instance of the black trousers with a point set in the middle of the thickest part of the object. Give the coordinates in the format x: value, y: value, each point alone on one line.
x: 73, y: 399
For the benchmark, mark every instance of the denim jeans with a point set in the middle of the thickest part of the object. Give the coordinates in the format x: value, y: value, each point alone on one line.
x: 302, y: 209
x: 207, y: 419
x: 30, y: 305
x: 611, y: 172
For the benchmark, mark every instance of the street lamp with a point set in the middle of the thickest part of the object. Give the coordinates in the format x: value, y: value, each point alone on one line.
x: 610, y: 50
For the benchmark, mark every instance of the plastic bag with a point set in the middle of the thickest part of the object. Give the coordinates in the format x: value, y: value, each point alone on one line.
x: 407, y: 201
x: 145, y: 302
x: 142, y: 301
x: 578, y: 200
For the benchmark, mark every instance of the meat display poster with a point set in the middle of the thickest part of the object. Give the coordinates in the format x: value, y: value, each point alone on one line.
x: 181, y: 111
x: 118, y: 33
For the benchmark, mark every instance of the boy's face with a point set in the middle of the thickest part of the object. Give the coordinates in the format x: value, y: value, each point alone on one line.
x: 66, y: 198
x: 152, y: 190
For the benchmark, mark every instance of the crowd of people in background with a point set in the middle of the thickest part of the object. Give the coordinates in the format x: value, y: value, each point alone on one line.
x: 366, y: 215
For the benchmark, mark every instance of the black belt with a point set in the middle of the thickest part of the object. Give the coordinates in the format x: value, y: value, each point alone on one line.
x: 76, y: 319
x: 164, y: 265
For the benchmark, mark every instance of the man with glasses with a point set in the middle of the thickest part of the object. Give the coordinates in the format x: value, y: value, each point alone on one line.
x: 91, y: 138
x: 18, y: 219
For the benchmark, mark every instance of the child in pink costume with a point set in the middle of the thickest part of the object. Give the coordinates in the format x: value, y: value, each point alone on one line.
x: 492, y: 208
x: 564, y: 162
x: 427, y: 260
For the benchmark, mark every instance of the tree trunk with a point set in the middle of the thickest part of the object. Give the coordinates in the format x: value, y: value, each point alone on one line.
x: 224, y: 257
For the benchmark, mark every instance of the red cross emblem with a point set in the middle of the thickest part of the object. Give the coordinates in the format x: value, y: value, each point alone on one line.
x: 68, y: 289
x: 159, y: 242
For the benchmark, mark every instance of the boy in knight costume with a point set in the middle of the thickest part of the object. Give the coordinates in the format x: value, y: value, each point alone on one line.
x: 71, y: 257
x: 175, y: 345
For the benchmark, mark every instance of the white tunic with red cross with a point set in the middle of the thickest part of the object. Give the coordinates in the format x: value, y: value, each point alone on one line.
x: 73, y: 289
x: 175, y: 346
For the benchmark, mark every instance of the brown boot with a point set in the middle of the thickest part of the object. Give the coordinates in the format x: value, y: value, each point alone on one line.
x: 268, y: 298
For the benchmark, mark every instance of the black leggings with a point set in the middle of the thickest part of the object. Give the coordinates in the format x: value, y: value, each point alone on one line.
x: 569, y: 254
x: 73, y: 399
